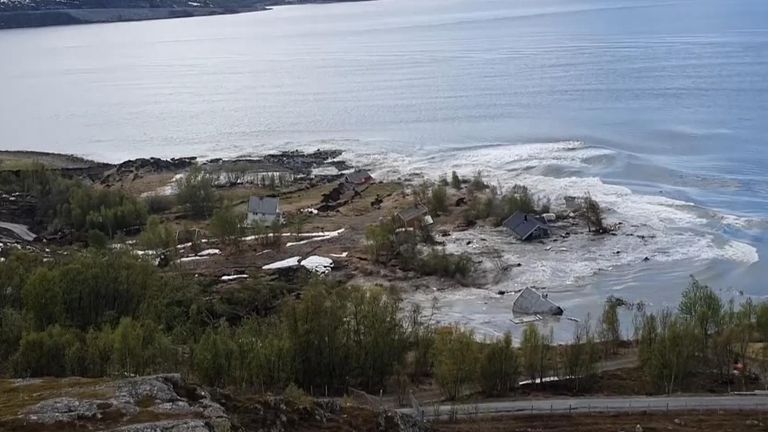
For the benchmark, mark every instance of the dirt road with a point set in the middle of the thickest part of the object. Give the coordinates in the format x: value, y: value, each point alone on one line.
x: 598, y: 404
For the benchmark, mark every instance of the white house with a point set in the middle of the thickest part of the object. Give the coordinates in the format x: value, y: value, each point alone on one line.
x: 263, y: 210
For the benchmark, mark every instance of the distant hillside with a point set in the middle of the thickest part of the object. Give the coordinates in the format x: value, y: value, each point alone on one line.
x: 38, y: 13
x: 44, y: 5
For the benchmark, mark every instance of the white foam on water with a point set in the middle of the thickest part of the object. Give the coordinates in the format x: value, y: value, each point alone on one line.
x: 676, y: 230
x: 665, y: 230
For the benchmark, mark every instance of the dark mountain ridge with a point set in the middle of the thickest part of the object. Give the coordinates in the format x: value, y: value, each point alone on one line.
x: 39, y: 13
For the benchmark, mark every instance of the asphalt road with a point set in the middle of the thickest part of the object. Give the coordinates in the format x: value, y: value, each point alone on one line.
x: 603, y: 404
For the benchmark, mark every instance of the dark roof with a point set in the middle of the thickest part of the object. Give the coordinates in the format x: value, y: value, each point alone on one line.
x: 359, y: 177
x: 263, y: 205
x: 524, y: 224
x: 516, y: 219
x: 530, y: 302
x: 412, y: 213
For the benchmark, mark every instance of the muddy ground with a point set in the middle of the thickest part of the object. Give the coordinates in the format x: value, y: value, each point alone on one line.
x: 680, y: 421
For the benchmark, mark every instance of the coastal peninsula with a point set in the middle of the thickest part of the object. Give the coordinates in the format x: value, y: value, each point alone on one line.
x: 42, y: 13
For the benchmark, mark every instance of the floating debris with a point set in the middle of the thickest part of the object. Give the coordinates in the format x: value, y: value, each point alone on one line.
x: 527, y: 319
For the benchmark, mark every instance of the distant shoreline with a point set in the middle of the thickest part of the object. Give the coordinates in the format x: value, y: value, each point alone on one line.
x: 57, y: 17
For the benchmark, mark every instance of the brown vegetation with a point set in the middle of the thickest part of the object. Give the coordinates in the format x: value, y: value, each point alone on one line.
x: 680, y: 421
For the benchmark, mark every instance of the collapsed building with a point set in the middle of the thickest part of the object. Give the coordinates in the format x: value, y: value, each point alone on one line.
x: 530, y: 302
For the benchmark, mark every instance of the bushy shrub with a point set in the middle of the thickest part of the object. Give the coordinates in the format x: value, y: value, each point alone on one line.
x: 157, y: 235
x: 456, y: 358
x: 105, y: 210
x: 196, y: 192
x: 97, y: 239
x: 456, y: 181
x: 157, y: 204
x: 438, y: 200
x: 440, y: 263
x: 499, y: 368
x: 478, y: 184
x: 228, y: 225
x: 498, y: 207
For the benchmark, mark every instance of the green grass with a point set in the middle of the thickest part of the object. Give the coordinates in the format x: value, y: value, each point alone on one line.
x: 13, y: 164
x: 15, y: 396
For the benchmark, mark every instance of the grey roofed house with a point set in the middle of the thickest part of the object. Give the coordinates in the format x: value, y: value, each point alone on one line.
x: 526, y: 226
x: 412, y: 215
x: 263, y: 209
x: 530, y: 302
x: 358, y: 177
x: 263, y: 205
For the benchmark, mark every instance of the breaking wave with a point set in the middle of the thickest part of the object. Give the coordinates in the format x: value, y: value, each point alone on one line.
x: 653, y: 226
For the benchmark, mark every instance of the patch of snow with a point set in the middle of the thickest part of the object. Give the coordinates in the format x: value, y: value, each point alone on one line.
x: 209, y: 252
x: 318, y: 264
x: 328, y: 236
x: 167, y: 190
x: 186, y: 245
x: 234, y: 277
x: 325, y: 171
x: 286, y: 263
x: 310, y: 235
x: 192, y: 258
x: 146, y: 252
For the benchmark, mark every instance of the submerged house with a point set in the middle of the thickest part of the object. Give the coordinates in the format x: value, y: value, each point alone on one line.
x: 263, y: 210
x: 527, y: 226
x: 350, y: 187
x: 358, y: 178
x: 414, y: 217
x: 530, y: 302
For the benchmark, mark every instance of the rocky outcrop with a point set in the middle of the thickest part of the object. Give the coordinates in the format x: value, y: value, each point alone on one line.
x: 18, y: 208
x: 166, y: 403
x: 176, y: 406
x: 65, y: 409
x: 136, y: 168
x: 167, y: 426
x: 393, y: 421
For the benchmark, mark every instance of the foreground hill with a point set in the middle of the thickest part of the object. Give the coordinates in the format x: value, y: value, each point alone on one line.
x: 167, y: 403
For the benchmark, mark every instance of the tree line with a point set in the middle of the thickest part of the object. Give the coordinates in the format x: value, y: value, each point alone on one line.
x: 105, y: 312
x: 64, y: 203
x: 704, y: 334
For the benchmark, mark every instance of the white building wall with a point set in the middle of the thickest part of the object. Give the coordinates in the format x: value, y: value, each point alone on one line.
x: 261, y: 218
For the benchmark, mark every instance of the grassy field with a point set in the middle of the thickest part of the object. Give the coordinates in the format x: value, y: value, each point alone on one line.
x: 20, y: 160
